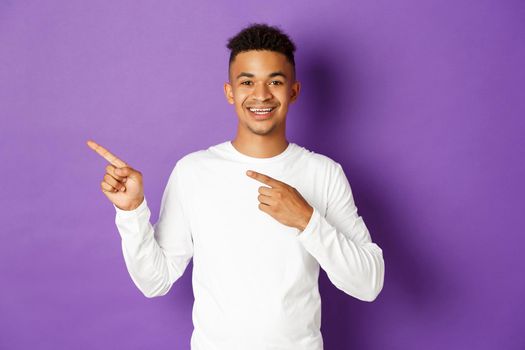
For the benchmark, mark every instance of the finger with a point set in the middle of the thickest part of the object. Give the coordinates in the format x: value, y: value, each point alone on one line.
x: 107, y: 187
x: 110, y: 169
x: 127, y: 172
x: 265, y: 190
x: 266, y: 199
x: 265, y: 208
x: 263, y: 178
x: 114, y: 183
x: 110, y: 157
x: 112, y: 180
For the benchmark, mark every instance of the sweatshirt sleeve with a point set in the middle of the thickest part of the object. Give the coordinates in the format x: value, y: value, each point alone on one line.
x: 156, y: 256
x: 342, y: 245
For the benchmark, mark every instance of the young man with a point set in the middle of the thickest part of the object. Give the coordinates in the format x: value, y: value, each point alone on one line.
x: 257, y: 240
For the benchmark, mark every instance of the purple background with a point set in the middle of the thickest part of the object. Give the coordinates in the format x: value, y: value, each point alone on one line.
x: 422, y: 102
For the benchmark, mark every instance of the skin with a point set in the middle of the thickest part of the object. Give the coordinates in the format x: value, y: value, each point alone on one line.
x: 121, y: 184
x: 282, y: 201
x: 261, y: 138
x: 253, y: 82
x: 256, y: 79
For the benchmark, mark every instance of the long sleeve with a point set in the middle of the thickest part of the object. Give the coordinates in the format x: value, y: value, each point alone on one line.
x: 156, y: 256
x: 342, y: 245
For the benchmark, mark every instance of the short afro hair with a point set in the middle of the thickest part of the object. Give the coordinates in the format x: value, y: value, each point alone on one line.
x: 261, y: 36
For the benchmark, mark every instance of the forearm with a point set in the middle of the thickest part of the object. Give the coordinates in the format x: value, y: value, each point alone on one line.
x: 357, y: 268
x: 145, y: 259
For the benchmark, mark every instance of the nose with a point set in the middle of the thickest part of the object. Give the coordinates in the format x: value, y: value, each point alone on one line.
x: 262, y: 92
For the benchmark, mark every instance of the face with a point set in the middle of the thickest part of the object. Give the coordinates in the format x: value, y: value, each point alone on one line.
x: 261, y: 87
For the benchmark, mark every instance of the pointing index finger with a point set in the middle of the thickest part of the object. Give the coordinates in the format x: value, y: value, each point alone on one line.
x: 110, y: 157
x: 264, y: 178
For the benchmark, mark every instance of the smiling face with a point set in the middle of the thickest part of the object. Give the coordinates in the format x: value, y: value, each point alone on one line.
x: 262, y: 85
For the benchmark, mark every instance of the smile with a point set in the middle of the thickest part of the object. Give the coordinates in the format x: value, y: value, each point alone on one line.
x: 261, y: 111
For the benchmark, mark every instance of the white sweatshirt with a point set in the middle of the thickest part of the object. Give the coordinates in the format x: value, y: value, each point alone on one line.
x: 255, y: 280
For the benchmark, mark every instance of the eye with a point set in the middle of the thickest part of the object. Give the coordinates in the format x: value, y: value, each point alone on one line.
x: 246, y: 82
x: 276, y: 82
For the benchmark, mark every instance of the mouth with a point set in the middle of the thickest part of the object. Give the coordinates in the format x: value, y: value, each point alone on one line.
x: 261, y: 113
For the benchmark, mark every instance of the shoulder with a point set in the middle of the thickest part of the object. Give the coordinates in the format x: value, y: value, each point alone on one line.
x: 191, y: 161
x: 320, y: 161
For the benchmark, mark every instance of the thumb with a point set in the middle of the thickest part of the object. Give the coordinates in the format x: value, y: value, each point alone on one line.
x: 126, y: 172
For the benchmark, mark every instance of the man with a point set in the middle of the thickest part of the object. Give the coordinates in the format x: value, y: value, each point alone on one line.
x: 257, y: 239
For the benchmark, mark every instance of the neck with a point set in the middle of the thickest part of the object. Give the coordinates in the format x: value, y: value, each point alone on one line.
x: 260, y: 146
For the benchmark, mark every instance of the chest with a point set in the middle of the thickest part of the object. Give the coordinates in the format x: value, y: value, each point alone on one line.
x: 225, y: 218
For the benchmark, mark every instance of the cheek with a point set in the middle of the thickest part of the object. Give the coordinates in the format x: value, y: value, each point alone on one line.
x: 239, y: 99
x: 284, y: 96
x: 239, y: 106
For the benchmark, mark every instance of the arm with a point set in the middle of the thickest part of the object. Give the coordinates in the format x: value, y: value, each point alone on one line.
x: 156, y: 256
x: 342, y: 245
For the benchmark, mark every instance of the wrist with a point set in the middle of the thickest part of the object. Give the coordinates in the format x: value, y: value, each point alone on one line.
x: 134, y: 205
x: 306, y: 219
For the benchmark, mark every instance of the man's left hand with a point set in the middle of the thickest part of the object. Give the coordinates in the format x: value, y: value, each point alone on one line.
x: 282, y: 201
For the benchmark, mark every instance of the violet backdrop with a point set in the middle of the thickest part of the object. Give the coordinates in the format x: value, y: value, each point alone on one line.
x: 422, y: 102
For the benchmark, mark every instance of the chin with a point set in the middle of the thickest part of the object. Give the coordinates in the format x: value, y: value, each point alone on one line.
x: 259, y: 130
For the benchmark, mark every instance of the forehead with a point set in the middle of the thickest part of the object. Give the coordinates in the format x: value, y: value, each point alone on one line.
x: 260, y: 62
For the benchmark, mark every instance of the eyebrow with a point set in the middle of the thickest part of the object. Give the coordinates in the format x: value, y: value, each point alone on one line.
x: 271, y: 75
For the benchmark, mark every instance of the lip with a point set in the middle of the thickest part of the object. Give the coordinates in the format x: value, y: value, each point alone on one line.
x: 261, y: 116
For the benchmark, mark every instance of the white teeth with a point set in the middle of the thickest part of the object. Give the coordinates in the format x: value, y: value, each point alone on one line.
x: 261, y: 110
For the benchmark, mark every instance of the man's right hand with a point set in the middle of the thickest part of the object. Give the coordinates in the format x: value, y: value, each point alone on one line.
x: 121, y: 184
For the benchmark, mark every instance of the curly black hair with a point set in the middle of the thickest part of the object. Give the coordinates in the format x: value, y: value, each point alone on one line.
x: 261, y: 36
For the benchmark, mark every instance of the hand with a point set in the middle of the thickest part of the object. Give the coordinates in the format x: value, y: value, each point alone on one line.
x: 282, y: 201
x: 121, y: 184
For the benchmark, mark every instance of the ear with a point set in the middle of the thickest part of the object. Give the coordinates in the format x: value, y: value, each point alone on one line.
x: 296, y: 88
x: 228, y: 92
